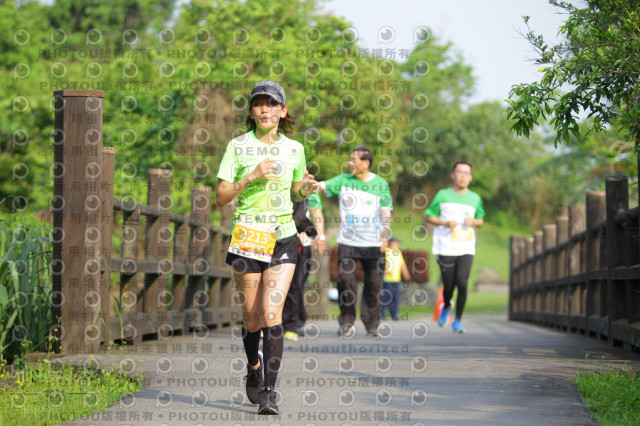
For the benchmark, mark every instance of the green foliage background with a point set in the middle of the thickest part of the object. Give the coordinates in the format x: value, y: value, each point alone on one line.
x: 593, y: 70
x: 176, y: 78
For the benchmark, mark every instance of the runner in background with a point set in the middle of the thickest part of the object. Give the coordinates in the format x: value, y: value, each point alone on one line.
x: 365, y: 220
x: 307, y: 215
x: 455, y: 212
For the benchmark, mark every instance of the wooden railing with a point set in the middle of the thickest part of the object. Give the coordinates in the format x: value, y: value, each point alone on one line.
x: 582, y: 274
x: 179, y: 283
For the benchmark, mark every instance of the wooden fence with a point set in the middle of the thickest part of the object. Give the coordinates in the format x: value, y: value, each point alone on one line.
x: 187, y: 249
x: 582, y: 274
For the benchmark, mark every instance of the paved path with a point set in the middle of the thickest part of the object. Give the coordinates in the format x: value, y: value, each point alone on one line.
x: 415, y: 373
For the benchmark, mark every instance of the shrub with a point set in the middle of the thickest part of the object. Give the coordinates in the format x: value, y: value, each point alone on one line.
x: 25, y: 288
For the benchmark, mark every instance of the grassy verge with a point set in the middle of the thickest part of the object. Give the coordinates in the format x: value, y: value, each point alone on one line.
x: 613, y: 396
x: 477, y: 304
x: 486, y: 303
x: 54, y: 393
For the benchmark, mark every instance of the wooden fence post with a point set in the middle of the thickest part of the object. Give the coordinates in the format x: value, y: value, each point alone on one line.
x: 228, y: 314
x: 523, y: 279
x: 538, y: 239
x: 197, y: 296
x: 158, y: 233
x: 77, y: 220
x: 559, y: 291
x: 530, y: 253
x: 106, y: 230
x: 217, y: 312
x: 574, y: 261
x: 512, y: 277
x: 596, y: 213
x: 212, y: 311
x: 538, y: 243
x: 617, y: 193
x: 517, y: 298
x: 632, y: 286
x: 633, y: 290
x: 604, y: 277
x: 522, y: 259
x: 179, y: 284
x: 130, y: 304
x: 548, y: 241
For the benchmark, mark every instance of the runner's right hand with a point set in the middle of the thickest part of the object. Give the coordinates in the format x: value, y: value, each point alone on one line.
x: 264, y: 168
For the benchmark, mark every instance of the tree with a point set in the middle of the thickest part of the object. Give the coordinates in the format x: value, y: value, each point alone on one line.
x: 429, y: 140
x: 599, y: 58
x: 191, y: 72
x: 582, y: 164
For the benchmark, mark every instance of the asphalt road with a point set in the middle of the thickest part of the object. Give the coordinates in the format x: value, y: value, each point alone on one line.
x: 414, y: 373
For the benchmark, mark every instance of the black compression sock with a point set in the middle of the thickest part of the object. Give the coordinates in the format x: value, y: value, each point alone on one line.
x: 273, y: 346
x: 251, y: 345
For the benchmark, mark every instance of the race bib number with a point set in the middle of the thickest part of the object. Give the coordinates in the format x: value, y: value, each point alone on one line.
x: 462, y: 234
x: 254, y: 240
x: 360, y: 221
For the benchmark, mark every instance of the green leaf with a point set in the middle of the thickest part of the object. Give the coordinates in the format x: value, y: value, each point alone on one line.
x: 4, y: 296
x: 5, y: 330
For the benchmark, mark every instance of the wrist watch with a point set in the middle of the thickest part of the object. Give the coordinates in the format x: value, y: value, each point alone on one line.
x: 320, y: 237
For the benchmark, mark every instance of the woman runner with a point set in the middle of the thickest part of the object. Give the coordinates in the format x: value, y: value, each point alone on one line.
x: 266, y: 170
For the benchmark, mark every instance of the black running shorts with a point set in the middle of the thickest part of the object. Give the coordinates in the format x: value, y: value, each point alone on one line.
x: 285, y: 251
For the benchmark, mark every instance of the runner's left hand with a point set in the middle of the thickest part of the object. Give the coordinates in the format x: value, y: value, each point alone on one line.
x: 309, y: 184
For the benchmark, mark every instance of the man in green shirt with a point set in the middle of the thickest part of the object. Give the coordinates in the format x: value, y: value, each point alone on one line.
x: 455, y: 212
x: 365, y: 219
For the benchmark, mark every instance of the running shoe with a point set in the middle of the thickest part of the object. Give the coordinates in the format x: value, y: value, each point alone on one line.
x: 267, y: 404
x: 255, y: 380
x: 444, y: 315
x: 290, y: 335
x: 457, y: 326
x: 347, y: 330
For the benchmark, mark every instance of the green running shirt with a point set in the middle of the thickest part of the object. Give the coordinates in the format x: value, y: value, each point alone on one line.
x: 447, y: 205
x: 268, y: 196
x: 360, y: 205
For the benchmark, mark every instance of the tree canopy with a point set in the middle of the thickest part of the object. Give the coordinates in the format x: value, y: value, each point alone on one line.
x: 594, y: 69
x: 176, y: 83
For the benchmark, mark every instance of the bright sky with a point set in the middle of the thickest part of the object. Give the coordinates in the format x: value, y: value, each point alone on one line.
x: 485, y: 32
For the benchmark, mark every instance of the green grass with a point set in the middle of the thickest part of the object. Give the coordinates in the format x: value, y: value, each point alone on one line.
x: 477, y: 304
x: 613, y: 396
x: 55, y: 393
x: 486, y: 303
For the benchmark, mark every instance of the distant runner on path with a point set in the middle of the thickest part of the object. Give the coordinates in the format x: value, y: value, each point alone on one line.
x: 455, y: 212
